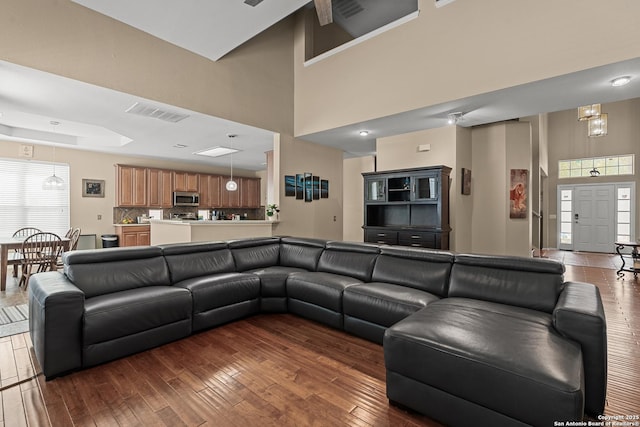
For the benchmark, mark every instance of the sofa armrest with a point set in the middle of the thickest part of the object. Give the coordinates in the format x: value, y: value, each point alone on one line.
x: 56, y: 308
x: 579, y: 315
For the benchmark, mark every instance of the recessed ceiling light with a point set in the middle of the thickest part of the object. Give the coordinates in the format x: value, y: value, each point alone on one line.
x: 364, y: 132
x: 216, y: 151
x: 454, y: 118
x: 620, y: 81
x: 179, y: 146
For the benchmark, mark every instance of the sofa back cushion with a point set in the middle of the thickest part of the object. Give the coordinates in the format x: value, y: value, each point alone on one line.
x: 416, y: 268
x: 189, y: 260
x: 103, y: 271
x: 523, y: 282
x: 301, y: 252
x: 250, y: 254
x: 349, y: 259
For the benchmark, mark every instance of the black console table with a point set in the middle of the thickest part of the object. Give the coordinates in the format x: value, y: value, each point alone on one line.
x: 634, y: 258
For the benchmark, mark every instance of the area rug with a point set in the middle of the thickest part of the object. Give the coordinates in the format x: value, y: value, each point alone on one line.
x: 14, y: 320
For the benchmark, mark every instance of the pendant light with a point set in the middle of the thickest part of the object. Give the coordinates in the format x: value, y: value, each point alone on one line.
x: 53, y: 182
x: 231, y: 185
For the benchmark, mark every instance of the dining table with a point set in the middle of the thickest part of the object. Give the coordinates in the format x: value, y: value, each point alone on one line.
x: 10, y: 243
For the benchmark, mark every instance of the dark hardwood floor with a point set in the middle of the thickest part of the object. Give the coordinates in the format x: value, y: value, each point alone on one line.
x: 277, y: 370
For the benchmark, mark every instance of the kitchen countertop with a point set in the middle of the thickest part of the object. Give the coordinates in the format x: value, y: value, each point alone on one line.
x: 176, y: 231
x: 132, y: 225
x: 215, y: 223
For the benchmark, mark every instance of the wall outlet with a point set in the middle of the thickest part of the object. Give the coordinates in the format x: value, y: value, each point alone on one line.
x: 99, y: 217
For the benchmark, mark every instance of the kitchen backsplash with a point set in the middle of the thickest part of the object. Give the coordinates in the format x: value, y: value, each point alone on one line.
x: 120, y: 214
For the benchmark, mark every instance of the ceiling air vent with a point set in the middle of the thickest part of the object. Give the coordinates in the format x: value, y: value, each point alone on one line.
x: 347, y: 8
x: 146, y: 110
x: 253, y: 3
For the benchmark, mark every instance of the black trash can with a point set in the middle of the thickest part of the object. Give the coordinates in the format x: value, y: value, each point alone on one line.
x: 110, y: 241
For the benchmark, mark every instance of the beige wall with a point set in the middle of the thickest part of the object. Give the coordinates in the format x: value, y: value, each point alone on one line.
x: 450, y: 146
x: 353, y: 196
x: 251, y: 85
x: 84, y: 211
x: 463, y: 204
x: 496, y: 149
x: 320, y: 218
x: 464, y: 49
x: 568, y: 140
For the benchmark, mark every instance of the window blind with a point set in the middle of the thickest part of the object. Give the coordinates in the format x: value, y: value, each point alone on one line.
x: 23, y: 202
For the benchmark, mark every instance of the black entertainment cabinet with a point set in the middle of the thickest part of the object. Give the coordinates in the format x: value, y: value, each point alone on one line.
x: 408, y: 207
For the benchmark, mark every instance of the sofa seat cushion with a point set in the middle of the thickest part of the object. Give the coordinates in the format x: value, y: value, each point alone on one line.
x: 494, y: 355
x: 273, y: 279
x: 119, y: 314
x: 384, y: 303
x: 220, y: 290
x: 319, y: 288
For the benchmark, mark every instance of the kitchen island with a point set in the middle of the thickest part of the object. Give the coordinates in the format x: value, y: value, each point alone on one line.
x: 177, y: 231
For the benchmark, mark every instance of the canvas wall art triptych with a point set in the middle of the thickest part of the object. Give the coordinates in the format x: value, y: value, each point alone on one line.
x: 305, y: 186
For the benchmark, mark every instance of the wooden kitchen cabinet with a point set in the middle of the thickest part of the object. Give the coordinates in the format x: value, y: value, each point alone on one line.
x: 230, y: 199
x: 186, y: 181
x: 131, y: 186
x: 134, y: 235
x: 209, y: 191
x: 153, y: 188
x: 250, y: 193
x: 160, y: 188
x: 247, y: 195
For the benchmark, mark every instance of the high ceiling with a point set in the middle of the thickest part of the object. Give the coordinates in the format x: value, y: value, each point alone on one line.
x: 30, y: 99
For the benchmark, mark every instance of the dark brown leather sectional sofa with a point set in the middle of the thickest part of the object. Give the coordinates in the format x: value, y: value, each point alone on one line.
x: 468, y: 339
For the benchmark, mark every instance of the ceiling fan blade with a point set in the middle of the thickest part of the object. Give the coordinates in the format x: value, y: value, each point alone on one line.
x: 323, y: 8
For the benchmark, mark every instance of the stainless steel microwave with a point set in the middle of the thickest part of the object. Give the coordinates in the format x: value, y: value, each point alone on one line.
x: 184, y: 198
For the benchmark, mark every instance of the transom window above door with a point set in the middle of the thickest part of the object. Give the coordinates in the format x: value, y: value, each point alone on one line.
x: 604, y: 166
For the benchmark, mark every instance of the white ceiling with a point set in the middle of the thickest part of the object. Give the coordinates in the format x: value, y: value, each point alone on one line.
x: 94, y: 118
x: 211, y: 28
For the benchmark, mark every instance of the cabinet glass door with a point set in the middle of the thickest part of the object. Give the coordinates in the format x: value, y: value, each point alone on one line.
x: 375, y: 191
x: 425, y: 188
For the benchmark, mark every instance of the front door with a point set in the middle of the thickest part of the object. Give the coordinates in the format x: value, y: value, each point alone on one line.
x: 593, y: 218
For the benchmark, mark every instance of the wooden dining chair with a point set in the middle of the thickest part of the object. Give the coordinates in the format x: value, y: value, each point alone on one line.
x: 15, y: 257
x: 74, y: 236
x: 40, y: 253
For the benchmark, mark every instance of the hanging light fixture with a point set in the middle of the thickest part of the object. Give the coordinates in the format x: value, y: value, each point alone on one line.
x: 231, y: 185
x: 597, y: 126
x: 53, y: 182
x: 587, y: 112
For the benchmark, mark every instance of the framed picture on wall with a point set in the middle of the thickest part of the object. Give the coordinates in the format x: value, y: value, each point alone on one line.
x: 518, y: 192
x: 93, y: 188
x: 308, y: 187
x: 289, y: 186
x: 324, y: 188
x: 299, y: 186
x: 316, y: 188
x: 466, y: 181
